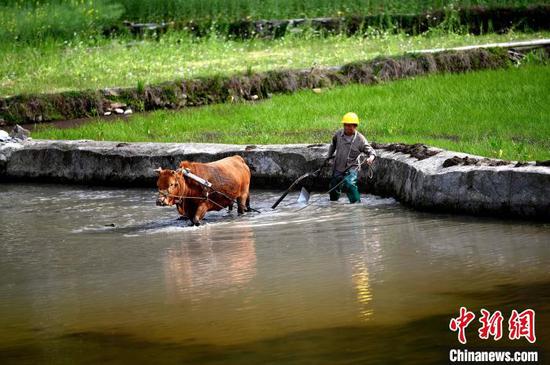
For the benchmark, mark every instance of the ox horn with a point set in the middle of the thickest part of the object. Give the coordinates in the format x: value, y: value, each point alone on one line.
x: 158, y: 170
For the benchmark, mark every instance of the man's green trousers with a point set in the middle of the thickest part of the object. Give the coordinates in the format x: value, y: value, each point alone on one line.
x: 349, y: 184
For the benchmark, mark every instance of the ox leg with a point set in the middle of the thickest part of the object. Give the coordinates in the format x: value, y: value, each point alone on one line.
x: 199, y: 214
x: 248, y: 203
x: 181, y: 211
x: 241, y: 202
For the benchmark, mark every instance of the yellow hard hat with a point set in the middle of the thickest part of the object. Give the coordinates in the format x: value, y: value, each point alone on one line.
x: 350, y: 118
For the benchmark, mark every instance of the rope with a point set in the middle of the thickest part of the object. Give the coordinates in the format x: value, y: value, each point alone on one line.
x: 350, y: 147
x: 190, y: 197
x: 233, y: 201
x: 215, y: 191
x: 370, y: 174
x: 206, y: 197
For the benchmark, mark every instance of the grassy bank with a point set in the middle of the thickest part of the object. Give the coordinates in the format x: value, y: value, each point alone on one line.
x: 501, y: 113
x: 281, y: 9
x: 30, y: 20
x: 33, y: 21
x: 54, y: 66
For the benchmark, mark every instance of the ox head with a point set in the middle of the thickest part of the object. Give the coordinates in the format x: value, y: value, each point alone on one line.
x: 170, y: 185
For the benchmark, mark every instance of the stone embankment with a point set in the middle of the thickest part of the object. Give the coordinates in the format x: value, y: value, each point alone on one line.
x: 417, y: 175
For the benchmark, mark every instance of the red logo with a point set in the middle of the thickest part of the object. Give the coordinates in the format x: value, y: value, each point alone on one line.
x: 519, y: 325
x: 461, y: 322
x: 522, y: 325
x: 491, y: 325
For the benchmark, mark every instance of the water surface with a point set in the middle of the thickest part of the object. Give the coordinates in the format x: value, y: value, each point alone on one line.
x: 92, y: 275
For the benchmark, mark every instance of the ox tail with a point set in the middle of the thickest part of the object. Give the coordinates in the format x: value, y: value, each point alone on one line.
x: 250, y: 167
x: 243, y: 160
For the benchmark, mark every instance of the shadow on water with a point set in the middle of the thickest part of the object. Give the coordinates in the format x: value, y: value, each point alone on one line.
x: 424, y: 341
x: 415, y: 342
x: 159, y: 224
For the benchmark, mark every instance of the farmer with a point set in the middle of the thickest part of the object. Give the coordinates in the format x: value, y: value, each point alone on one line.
x: 349, y: 144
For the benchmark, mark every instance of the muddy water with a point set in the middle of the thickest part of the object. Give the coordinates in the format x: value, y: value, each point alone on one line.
x: 97, y: 275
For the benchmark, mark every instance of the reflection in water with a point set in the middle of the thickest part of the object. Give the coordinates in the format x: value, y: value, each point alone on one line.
x: 200, y: 263
x: 103, y: 275
x: 361, y: 282
x: 359, y: 260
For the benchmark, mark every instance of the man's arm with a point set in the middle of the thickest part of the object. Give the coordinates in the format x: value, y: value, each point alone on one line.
x: 368, y: 150
x: 332, y: 148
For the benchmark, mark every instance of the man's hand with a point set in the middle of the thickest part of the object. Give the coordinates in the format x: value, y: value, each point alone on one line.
x: 370, y: 160
x: 327, y: 160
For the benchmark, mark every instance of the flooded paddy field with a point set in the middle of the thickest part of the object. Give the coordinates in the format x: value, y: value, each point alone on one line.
x: 92, y: 275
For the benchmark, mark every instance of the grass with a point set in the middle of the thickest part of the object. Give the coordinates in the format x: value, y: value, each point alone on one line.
x: 35, y: 21
x: 498, y: 113
x: 29, y: 20
x: 280, y: 9
x: 92, y: 64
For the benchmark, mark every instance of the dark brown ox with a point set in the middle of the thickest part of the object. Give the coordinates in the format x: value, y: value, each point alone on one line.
x: 230, y: 178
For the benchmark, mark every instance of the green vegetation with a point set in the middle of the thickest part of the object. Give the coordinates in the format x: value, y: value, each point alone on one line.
x: 281, y: 9
x: 498, y: 113
x: 33, y: 21
x: 86, y: 64
x: 58, y: 45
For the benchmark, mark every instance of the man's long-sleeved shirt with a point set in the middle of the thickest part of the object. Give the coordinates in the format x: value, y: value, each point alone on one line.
x: 347, y: 152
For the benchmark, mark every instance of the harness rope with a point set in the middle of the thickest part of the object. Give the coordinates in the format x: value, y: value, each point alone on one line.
x: 204, y: 185
x: 181, y: 197
x: 370, y: 174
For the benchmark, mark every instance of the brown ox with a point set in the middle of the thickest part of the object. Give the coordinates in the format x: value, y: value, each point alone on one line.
x: 230, y: 178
